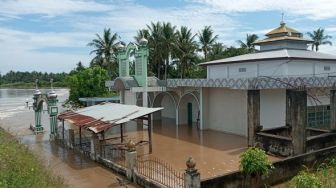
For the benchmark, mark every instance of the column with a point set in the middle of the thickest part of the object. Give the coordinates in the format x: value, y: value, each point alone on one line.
x: 192, y: 178
x: 130, y: 157
x: 253, y: 114
x: 333, y: 109
x: 94, y: 146
x: 298, y: 119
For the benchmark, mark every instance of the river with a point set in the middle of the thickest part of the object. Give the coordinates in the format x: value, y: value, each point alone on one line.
x: 77, y: 171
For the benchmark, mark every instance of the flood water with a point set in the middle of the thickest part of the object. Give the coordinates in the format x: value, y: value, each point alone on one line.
x: 76, y: 170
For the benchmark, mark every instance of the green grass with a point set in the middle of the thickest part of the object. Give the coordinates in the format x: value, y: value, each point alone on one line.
x: 20, y: 168
x: 324, y: 176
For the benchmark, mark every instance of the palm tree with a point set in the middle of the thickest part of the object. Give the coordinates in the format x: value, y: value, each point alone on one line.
x: 319, y: 38
x: 206, y: 38
x: 217, y: 51
x: 185, y: 49
x: 155, y: 47
x: 142, y: 33
x: 249, y: 43
x: 168, y: 40
x: 105, y: 51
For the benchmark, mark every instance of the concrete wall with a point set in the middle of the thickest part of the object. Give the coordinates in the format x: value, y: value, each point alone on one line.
x: 275, y: 68
x: 183, y: 109
x: 169, y: 108
x: 227, y: 110
x: 273, y: 108
x: 130, y: 97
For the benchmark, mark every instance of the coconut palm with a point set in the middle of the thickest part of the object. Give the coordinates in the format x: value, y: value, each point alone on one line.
x: 155, y: 46
x: 249, y: 43
x: 105, y: 51
x: 206, y: 38
x: 168, y: 40
x: 142, y: 33
x: 319, y: 38
x: 185, y: 48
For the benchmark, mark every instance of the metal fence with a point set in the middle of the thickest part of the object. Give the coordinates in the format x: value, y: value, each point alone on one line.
x: 114, y: 154
x: 160, y: 171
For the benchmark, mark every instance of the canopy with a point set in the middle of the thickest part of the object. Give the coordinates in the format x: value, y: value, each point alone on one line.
x: 104, y: 116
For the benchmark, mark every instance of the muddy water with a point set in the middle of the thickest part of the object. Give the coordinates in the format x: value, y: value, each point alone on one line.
x: 216, y: 153
x: 77, y: 171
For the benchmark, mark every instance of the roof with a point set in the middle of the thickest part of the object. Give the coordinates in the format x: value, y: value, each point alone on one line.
x: 283, y: 28
x: 274, y: 54
x: 99, y: 99
x: 121, y: 83
x: 104, y: 116
x: 282, y: 38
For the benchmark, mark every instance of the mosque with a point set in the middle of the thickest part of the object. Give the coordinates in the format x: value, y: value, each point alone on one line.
x: 282, y: 86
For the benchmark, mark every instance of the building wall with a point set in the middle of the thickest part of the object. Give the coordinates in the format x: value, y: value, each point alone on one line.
x: 273, y: 108
x: 183, y: 109
x: 169, y: 108
x: 275, y: 68
x: 227, y: 110
x: 130, y: 97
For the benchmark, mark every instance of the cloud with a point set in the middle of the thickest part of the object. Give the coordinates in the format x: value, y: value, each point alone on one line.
x: 315, y: 10
x: 13, y: 8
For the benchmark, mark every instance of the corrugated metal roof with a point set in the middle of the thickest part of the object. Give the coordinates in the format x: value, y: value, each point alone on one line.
x: 283, y: 28
x: 274, y: 54
x: 282, y: 38
x: 103, y: 116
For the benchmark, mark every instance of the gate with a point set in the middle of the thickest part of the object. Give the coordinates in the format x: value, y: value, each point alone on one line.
x: 160, y: 171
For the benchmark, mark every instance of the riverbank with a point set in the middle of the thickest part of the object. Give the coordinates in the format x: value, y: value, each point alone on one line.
x: 19, y: 166
x: 30, y: 85
x: 76, y: 170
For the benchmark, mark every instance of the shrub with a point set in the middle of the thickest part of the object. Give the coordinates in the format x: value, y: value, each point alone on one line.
x: 254, y: 161
x: 307, y: 180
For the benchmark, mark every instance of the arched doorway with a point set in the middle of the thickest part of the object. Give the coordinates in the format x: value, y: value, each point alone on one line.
x: 167, y: 100
x: 189, y: 109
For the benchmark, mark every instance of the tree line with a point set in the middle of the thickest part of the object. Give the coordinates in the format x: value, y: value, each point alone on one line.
x: 175, y: 52
x: 30, y: 77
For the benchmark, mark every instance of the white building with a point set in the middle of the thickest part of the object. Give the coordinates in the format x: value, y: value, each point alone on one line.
x: 220, y: 102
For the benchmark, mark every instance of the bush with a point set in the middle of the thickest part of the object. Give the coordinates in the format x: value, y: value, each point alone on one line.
x: 307, y: 180
x: 254, y: 161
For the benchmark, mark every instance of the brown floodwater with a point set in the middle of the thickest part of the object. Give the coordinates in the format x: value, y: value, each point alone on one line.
x: 76, y: 170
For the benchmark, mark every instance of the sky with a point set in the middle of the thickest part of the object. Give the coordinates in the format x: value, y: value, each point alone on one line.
x: 52, y: 35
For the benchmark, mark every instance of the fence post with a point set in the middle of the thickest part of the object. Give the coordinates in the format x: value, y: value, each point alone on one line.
x: 130, y: 157
x: 94, y: 142
x: 192, y: 178
x: 71, y: 138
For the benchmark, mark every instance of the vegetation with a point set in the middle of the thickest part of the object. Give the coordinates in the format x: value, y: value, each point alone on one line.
x: 20, y: 168
x: 255, y: 163
x: 105, y: 51
x: 27, y: 79
x: 319, y: 38
x: 248, y: 45
x: 87, y: 82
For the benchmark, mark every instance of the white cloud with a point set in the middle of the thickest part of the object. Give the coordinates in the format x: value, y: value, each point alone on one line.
x: 49, y: 7
x: 313, y: 9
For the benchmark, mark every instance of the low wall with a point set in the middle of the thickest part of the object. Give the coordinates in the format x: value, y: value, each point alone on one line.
x: 284, y: 170
x: 320, y: 141
x: 279, y: 131
x: 275, y: 144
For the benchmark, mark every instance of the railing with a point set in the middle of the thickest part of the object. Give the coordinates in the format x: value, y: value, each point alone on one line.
x: 160, y: 171
x: 114, y: 154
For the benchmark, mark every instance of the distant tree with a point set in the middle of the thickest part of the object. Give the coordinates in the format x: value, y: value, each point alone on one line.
x: 80, y: 66
x: 88, y: 82
x: 206, y: 38
x: 105, y: 51
x: 319, y: 38
x: 248, y: 44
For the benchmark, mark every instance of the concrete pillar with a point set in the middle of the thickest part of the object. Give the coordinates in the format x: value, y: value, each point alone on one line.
x: 192, y: 178
x: 71, y: 138
x: 94, y: 146
x: 253, y: 114
x: 288, y: 118
x: 298, y: 119
x: 333, y: 109
x: 130, y: 157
